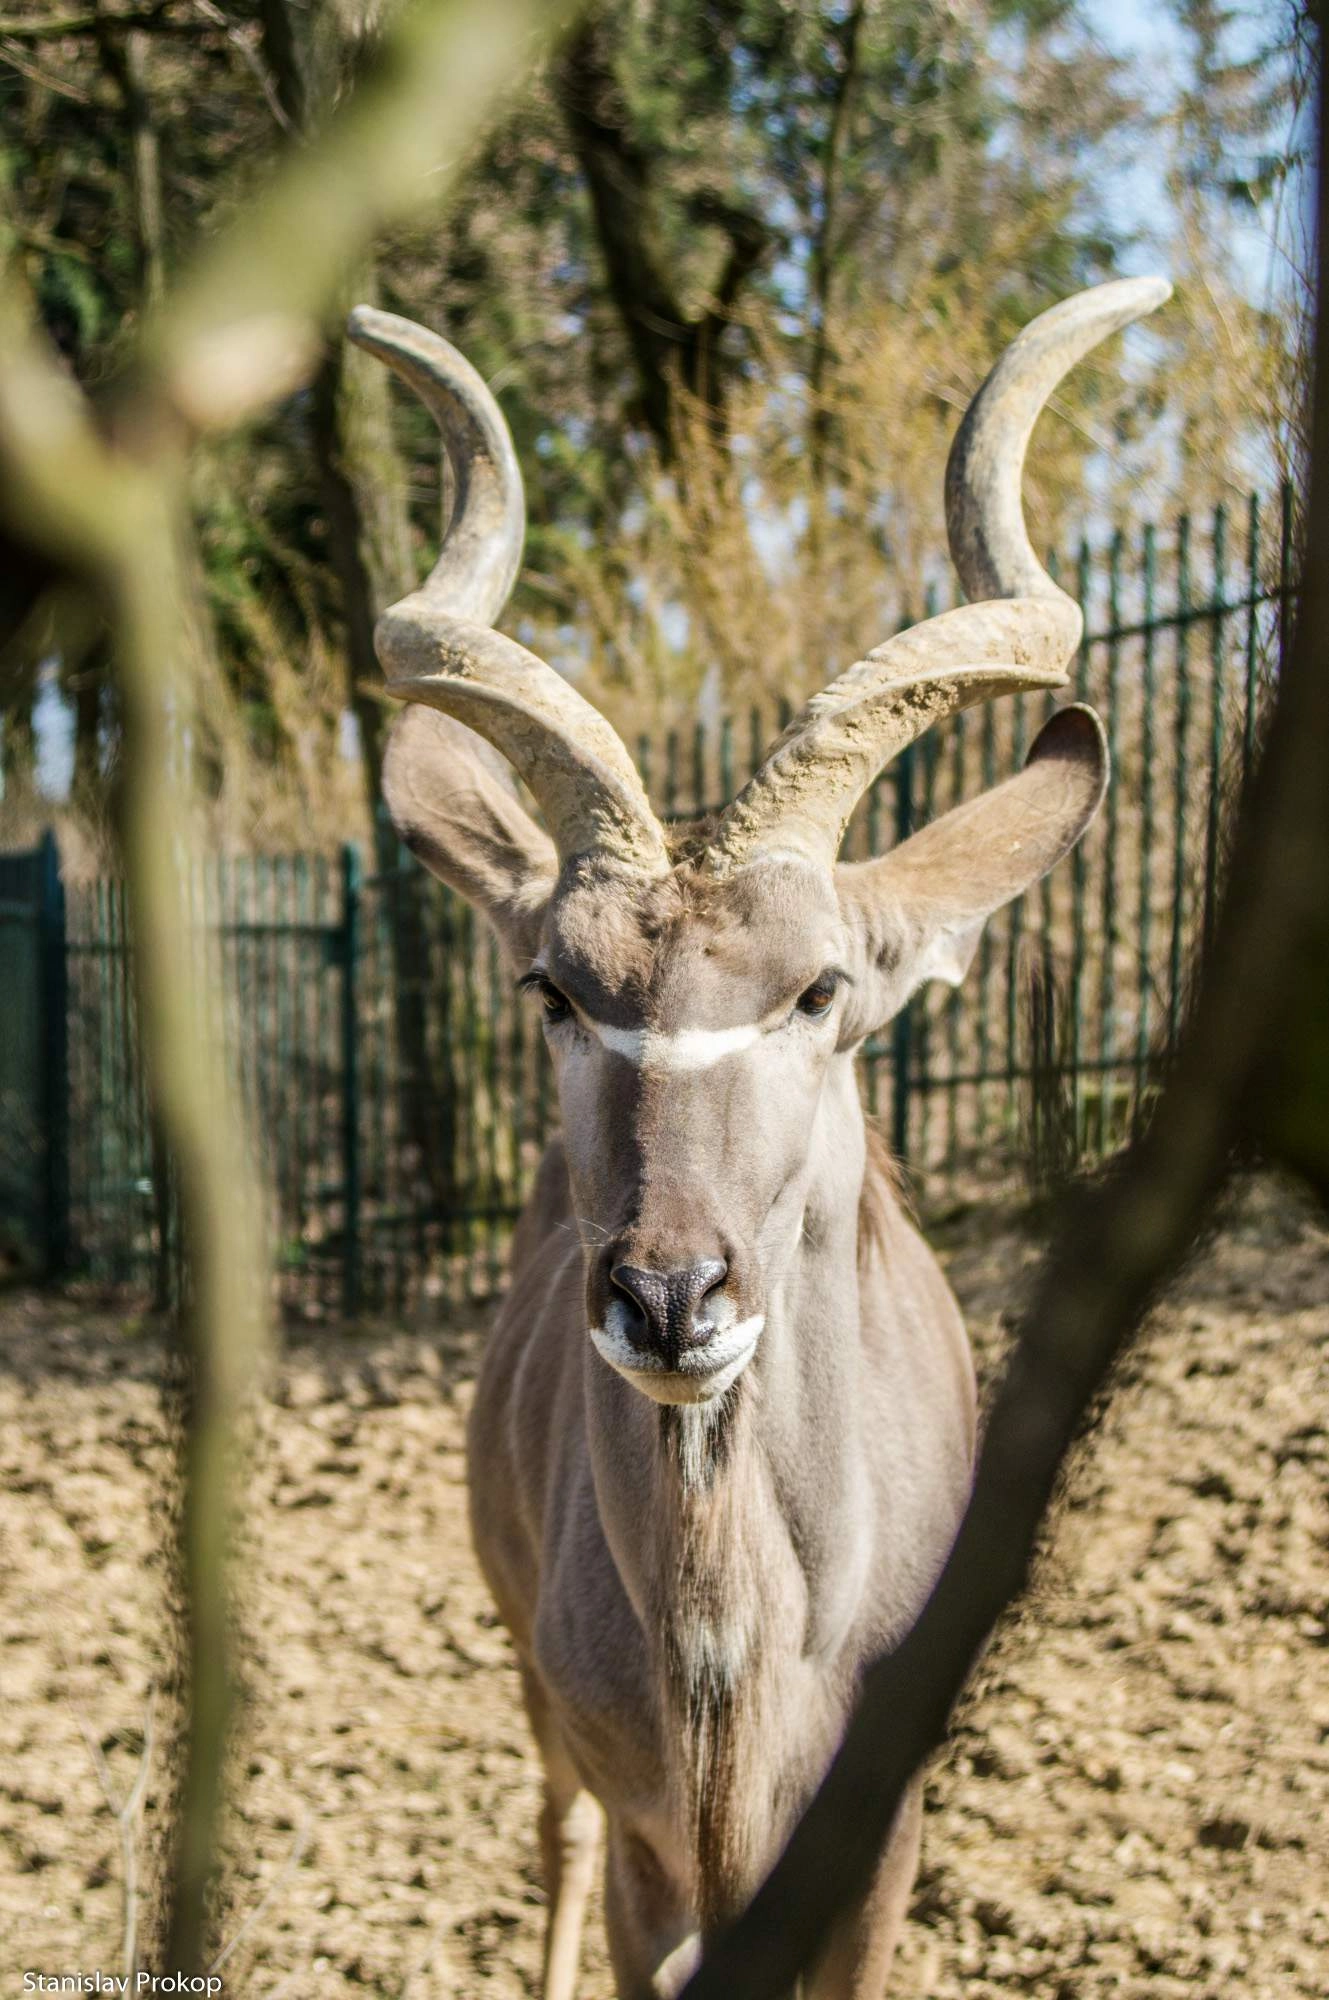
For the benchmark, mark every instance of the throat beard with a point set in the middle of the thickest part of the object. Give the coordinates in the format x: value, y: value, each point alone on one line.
x: 718, y: 1673
x: 696, y: 1440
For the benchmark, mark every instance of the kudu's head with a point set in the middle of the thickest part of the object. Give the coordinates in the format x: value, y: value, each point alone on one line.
x: 701, y: 1005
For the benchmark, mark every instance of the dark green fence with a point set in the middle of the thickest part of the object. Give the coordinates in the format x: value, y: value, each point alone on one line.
x: 34, y: 1193
x: 399, y: 1096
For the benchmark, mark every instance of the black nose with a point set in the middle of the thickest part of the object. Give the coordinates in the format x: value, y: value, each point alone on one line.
x: 667, y: 1316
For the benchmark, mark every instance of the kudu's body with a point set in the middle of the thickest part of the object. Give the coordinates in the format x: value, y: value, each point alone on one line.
x: 722, y: 1435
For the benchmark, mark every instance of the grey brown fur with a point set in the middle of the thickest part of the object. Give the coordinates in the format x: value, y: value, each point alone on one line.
x: 703, y: 1502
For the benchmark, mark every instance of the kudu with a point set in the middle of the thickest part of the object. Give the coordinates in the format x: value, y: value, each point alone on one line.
x: 723, y: 1430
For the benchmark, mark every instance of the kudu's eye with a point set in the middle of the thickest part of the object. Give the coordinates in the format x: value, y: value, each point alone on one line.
x: 818, y: 999
x: 556, y: 1008
x: 552, y: 1002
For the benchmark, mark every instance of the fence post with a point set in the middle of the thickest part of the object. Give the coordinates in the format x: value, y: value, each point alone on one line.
x: 349, y: 952
x: 53, y: 999
x: 902, y: 1028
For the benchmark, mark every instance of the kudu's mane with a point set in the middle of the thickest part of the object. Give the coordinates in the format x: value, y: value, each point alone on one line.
x: 884, y: 1194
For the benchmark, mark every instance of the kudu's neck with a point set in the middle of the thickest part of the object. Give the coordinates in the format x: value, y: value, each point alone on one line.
x: 740, y: 1528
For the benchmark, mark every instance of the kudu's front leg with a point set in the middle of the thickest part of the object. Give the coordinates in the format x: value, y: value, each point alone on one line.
x: 653, y: 1943
x: 570, y: 1822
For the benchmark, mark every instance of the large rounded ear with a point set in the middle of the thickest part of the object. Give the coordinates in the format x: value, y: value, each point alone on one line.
x: 918, y: 912
x: 459, y: 817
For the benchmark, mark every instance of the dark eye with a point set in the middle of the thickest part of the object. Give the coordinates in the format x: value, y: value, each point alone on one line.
x: 556, y: 1008
x: 818, y: 999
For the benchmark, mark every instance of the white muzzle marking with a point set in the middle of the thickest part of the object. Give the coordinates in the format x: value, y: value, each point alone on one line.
x: 700, y: 1376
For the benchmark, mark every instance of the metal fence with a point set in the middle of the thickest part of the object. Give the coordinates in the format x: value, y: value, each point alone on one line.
x: 399, y: 1095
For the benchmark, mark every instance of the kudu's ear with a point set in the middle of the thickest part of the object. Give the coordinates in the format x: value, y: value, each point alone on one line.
x: 918, y: 912
x: 459, y: 817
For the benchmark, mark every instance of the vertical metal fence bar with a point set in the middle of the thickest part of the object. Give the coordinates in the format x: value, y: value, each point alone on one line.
x: 1079, y: 876
x: 469, y: 1180
x: 1181, y: 783
x: 1107, y: 986
x: 395, y: 894
x: 100, y: 983
x: 988, y: 777
x: 350, y: 1078
x: 53, y: 1016
x: 498, y: 1191
x: 902, y: 1028
x: 381, y: 1220
x: 320, y: 1066
x: 105, y: 1082
x: 122, y: 1263
x: 520, y: 1179
x: 308, y: 967
x: 1217, y: 666
x: 953, y: 1003
x: 1249, y: 719
x: 1013, y: 939
x: 540, y: 1055
x: 1144, y: 928
x: 1286, y: 539
x: 921, y: 1058
x: 279, y: 971
x: 127, y: 1091
x: 872, y: 1058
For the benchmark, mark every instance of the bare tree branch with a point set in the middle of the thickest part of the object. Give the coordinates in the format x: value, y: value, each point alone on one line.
x: 669, y: 346
x: 283, y: 1874
x: 124, y: 59
x: 1253, y: 1071
x: 27, y: 29
x: 252, y: 60
x: 127, y: 1812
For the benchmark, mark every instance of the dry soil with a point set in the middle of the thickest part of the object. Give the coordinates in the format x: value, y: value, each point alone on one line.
x: 1136, y: 1801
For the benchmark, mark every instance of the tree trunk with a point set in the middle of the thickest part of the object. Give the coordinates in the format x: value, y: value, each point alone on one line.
x: 86, y: 688
x: 823, y: 250
x: 124, y: 58
x: 670, y: 349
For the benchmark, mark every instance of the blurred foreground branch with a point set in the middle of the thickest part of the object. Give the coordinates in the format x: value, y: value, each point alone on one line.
x: 1252, y: 1075
x: 114, y: 522
x: 109, y: 509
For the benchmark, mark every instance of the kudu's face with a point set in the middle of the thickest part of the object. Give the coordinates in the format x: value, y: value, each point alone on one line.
x: 691, y: 1024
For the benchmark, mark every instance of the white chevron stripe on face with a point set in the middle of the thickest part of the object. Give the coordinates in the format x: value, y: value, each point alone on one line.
x: 690, y: 1048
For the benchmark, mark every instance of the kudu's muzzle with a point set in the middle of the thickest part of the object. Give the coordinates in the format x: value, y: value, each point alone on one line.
x: 680, y: 1329
x: 673, y: 1313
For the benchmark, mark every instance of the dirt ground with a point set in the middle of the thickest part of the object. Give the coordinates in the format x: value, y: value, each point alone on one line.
x: 1136, y: 1802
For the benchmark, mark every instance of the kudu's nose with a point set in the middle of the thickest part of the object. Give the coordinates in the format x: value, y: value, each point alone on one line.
x: 668, y: 1306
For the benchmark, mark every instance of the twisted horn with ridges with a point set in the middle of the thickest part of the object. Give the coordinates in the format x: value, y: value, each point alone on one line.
x: 438, y: 646
x: 1021, y: 638
x: 990, y: 544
